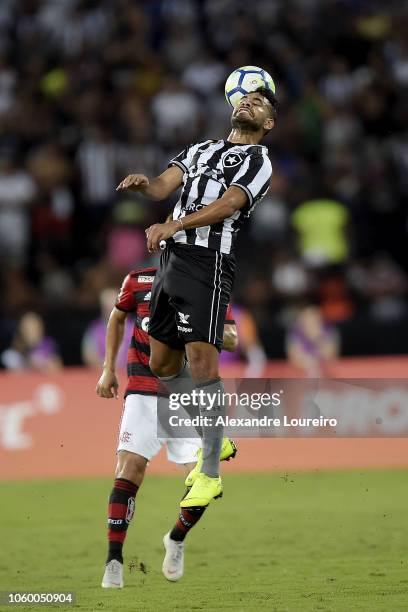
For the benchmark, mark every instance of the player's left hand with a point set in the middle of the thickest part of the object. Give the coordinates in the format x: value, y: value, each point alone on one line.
x: 158, y: 232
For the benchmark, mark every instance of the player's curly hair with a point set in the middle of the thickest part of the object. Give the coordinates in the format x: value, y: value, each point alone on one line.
x: 270, y: 96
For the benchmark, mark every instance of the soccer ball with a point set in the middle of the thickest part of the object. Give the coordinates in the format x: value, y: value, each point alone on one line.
x: 246, y: 79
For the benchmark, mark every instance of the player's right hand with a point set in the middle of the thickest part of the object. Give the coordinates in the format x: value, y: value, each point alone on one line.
x: 135, y: 182
x: 107, y: 385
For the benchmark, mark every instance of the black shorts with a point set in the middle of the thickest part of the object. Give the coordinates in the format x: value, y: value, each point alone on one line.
x: 190, y: 295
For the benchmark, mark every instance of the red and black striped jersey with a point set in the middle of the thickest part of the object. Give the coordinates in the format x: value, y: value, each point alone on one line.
x: 134, y: 298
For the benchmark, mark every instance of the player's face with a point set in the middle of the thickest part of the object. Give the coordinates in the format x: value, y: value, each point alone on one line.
x: 252, y: 113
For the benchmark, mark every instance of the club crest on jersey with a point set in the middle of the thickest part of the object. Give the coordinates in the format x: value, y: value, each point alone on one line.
x: 232, y: 159
x: 147, y: 296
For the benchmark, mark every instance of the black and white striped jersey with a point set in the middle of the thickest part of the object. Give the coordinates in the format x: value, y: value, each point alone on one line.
x: 209, y: 168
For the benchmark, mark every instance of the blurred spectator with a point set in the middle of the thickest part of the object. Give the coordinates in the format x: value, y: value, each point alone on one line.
x: 176, y: 113
x: 94, y: 278
x: 336, y: 304
x: 8, y: 80
x: 126, y: 242
x: 290, y: 278
x: 93, y: 342
x: 321, y: 227
x: 97, y: 157
x: 311, y: 343
x: 338, y: 84
x: 56, y: 284
x: 182, y: 44
x: 18, y: 292
x: 341, y: 83
x: 17, y: 190
x: 342, y: 128
x: 31, y: 348
x: 399, y: 60
x: 269, y: 222
x: 52, y: 217
x: 205, y: 75
x: 383, y: 283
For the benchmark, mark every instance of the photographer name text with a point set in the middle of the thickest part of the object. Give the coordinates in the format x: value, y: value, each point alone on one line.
x: 226, y: 421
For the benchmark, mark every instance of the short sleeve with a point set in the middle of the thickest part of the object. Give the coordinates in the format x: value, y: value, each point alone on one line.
x: 229, y: 317
x: 254, y: 177
x: 125, y: 300
x: 182, y: 160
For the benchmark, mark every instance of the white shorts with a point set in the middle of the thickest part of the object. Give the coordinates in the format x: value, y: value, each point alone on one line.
x: 138, y: 432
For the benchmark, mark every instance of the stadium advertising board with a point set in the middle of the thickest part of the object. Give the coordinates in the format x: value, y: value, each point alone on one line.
x: 56, y: 426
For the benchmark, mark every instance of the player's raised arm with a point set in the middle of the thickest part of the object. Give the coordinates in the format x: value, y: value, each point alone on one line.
x: 158, y: 188
x: 108, y: 383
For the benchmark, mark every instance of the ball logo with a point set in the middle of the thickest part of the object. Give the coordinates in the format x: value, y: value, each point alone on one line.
x: 232, y: 159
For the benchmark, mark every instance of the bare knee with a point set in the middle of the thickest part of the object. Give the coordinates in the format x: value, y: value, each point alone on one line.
x: 164, y: 361
x: 161, y: 368
x: 131, y: 467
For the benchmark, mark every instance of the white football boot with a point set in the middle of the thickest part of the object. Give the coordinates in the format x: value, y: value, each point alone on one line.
x: 173, y: 564
x: 113, y: 576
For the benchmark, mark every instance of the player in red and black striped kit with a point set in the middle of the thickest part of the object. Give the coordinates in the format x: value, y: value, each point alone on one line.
x: 138, y: 442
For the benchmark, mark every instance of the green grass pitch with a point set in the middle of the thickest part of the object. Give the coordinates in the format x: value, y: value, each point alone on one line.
x: 297, y: 542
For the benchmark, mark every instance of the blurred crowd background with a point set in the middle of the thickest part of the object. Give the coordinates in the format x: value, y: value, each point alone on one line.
x: 92, y: 90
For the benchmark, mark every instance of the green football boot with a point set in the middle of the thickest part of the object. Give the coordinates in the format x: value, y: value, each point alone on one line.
x: 204, y: 490
x: 228, y: 451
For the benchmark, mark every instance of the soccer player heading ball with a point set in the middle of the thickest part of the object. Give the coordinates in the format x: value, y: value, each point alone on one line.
x: 222, y: 181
